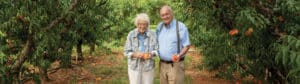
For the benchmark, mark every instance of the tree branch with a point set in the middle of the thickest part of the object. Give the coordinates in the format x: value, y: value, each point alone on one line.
x: 107, y: 27
x: 279, y: 74
x: 27, y: 49
x: 102, y: 3
x: 57, y: 20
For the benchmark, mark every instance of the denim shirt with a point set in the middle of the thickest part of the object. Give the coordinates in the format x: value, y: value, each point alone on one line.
x: 132, y: 45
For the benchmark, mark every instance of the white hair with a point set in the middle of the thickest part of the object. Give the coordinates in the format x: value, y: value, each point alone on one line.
x: 167, y: 7
x: 143, y: 17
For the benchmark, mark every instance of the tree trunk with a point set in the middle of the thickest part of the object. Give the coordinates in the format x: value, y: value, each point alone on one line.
x: 79, y: 50
x: 43, y: 74
x: 26, y: 51
x: 92, y: 47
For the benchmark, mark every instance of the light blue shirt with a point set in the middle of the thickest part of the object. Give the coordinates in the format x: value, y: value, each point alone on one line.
x: 167, y: 39
x: 141, y: 42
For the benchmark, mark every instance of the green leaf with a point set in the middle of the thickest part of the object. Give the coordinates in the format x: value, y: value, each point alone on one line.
x: 285, y: 55
x: 298, y: 60
x: 293, y: 58
x: 293, y: 72
x: 2, y: 57
x: 1, y: 34
x: 297, y: 45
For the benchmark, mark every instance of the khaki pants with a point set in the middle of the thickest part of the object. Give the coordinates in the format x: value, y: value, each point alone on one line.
x: 172, y: 74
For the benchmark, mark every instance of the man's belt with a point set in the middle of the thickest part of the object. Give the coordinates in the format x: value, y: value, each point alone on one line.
x: 169, y: 62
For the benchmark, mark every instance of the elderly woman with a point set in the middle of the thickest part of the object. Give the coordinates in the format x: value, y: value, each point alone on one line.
x: 140, y: 49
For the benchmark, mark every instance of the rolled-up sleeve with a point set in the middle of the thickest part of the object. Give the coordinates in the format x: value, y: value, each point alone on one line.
x: 185, y: 40
x: 128, y: 50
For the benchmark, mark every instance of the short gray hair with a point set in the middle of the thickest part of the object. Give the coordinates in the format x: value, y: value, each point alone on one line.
x: 142, y: 16
x: 167, y: 7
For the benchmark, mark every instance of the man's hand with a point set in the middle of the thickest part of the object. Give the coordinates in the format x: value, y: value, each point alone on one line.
x: 175, y: 58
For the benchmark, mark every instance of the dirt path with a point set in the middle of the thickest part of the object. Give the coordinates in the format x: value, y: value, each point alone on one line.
x: 201, y: 76
x: 96, y: 69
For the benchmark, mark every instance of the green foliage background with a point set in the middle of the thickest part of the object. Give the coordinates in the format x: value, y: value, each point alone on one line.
x: 269, y: 53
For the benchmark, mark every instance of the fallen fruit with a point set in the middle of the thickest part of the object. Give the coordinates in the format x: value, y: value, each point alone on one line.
x: 259, y: 82
x: 237, y: 82
x: 98, y: 78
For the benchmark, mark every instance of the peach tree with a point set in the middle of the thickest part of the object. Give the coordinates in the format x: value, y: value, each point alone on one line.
x: 251, y: 38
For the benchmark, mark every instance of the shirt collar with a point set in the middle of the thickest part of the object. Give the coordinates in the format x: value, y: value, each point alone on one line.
x: 173, y: 22
x: 136, y: 32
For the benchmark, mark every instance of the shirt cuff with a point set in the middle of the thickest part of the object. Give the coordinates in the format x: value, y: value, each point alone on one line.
x: 154, y: 53
x: 184, y: 45
x: 129, y: 55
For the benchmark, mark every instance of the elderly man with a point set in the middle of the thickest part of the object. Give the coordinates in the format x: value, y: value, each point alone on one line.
x: 140, y: 48
x: 173, y: 40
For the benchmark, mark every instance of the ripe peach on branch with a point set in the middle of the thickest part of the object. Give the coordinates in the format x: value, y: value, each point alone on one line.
x: 233, y: 32
x: 22, y: 18
x: 280, y: 19
x: 249, y: 31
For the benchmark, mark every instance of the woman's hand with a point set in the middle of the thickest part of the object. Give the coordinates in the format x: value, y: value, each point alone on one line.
x: 146, y: 56
x: 138, y: 55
